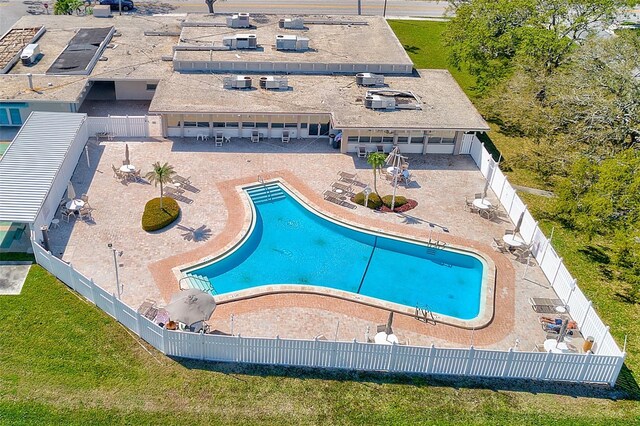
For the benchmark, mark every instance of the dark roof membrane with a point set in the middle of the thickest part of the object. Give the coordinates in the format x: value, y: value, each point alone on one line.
x: 80, y: 51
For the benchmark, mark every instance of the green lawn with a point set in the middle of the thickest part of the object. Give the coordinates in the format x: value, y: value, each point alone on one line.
x: 66, y: 362
x: 587, y: 260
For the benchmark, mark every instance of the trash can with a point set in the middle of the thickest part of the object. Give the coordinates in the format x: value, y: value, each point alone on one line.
x: 588, y: 344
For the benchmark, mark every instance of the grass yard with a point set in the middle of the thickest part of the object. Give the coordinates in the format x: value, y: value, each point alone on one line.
x: 66, y: 362
x: 587, y: 260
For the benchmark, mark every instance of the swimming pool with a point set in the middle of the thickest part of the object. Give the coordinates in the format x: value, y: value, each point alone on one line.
x: 289, y: 244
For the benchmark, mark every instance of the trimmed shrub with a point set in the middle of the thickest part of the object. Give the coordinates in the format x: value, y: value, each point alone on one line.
x: 400, y: 201
x: 155, y: 218
x: 374, y: 200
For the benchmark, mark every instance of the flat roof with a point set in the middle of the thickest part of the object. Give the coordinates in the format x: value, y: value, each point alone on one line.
x: 444, y: 104
x: 13, y: 41
x: 78, y: 55
x: 132, y: 54
x: 369, y: 39
x: 32, y: 161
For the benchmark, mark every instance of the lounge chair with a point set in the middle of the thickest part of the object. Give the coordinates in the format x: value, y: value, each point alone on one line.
x: 362, y: 151
x: 286, y: 136
x: 219, y: 138
x: 347, y: 177
x: 500, y: 245
x: 380, y: 148
x: 85, y: 213
x: 545, y: 301
x: 66, y: 214
x: 333, y: 197
x: 255, y: 136
x: 181, y: 180
x: 545, y: 309
x: 173, y: 191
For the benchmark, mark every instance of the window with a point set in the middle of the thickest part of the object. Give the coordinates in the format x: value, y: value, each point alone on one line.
x: 304, y: 125
x: 262, y: 124
x: 277, y: 125
x: 387, y: 139
x: 313, y: 129
x: 352, y: 139
x: 376, y: 139
x: 247, y: 124
x: 190, y: 124
x: 403, y: 139
x: 365, y: 139
x: 152, y: 86
x: 291, y: 125
x: 218, y: 124
x: 232, y: 124
x: 324, y: 129
x: 203, y: 124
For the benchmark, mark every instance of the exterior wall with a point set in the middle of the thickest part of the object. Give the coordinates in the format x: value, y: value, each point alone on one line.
x: 291, y: 67
x: 242, y: 125
x: 134, y: 90
x: 26, y: 108
x: 409, y: 141
x: 59, y: 186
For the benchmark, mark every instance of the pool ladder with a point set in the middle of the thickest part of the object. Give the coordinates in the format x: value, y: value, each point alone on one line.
x: 425, y: 315
x: 265, y: 187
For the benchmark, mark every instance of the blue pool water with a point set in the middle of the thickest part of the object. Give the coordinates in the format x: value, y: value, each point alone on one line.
x: 291, y: 245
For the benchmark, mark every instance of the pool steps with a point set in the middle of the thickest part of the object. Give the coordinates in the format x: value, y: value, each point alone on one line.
x: 266, y: 193
x: 197, y: 281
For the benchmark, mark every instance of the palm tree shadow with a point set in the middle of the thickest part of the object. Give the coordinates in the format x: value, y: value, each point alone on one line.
x: 195, y: 234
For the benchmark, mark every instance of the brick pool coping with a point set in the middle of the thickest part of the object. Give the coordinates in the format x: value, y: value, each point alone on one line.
x: 497, y: 328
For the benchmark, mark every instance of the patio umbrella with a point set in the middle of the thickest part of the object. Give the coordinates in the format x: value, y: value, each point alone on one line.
x: 126, y: 153
x: 519, y: 223
x: 191, y: 306
x: 391, y: 158
x: 388, y: 328
x: 71, y: 193
x: 563, y: 330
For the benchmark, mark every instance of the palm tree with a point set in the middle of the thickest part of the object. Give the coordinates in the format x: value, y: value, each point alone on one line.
x: 376, y: 160
x: 161, y: 175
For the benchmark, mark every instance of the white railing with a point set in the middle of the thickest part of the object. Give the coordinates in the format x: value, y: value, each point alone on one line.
x: 589, y: 368
x: 551, y: 264
x: 119, y: 126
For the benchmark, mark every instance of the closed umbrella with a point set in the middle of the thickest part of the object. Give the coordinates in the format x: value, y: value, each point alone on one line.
x: 71, y: 193
x: 191, y: 306
x: 563, y: 331
x: 126, y: 153
x: 391, y: 158
x: 388, y: 328
x: 519, y: 223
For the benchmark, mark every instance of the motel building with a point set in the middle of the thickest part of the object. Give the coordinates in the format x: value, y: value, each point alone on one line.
x: 340, y: 80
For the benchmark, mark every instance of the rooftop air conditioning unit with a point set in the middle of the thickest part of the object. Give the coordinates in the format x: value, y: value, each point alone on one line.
x: 379, y: 102
x: 241, y: 20
x: 241, y: 41
x: 292, y: 23
x: 274, y: 83
x: 291, y: 42
x: 237, y: 82
x: 369, y: 79
x: 30, y: 54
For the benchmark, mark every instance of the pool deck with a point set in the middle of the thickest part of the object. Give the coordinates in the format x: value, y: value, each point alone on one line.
x: 149, y: 261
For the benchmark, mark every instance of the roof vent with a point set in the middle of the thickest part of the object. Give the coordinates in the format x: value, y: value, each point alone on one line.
x: 241, y: 20
x: 274, y: 83
x: 369, y: 79
x: 241, y: 41
x: 237, y: 82
x: 391, y: 100
x: 292, y: 23
x: 291, y: 42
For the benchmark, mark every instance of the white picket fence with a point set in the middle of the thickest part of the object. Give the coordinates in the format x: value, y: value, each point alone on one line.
x: 589, y: 368
x: 119, y: 126
x: 554, y: 269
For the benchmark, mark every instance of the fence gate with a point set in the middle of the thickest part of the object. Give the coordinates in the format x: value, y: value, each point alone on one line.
x: 121, y: 126
x: 467, y: 140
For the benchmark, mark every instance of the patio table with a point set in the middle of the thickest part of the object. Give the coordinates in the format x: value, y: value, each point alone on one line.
x: 482, y: 203
x: 557, y: 348
x: 75, y: 204
x: 128, y: 168
x: 513, y: 241
x: 383, y: 338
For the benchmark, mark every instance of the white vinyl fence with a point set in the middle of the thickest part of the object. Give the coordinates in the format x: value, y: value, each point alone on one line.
x: 554, y: 269
x: 589, y: 368
x: 119, y: 126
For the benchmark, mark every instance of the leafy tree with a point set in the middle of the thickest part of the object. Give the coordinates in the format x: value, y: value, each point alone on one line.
x: 376, y: 160
x: 488, y: 35
x: 67, y: 7
x: 161, y: 174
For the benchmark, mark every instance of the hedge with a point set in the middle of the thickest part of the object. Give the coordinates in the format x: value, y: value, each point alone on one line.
x: 400, y: 201
x: 374, y: 200
x: 155, y: 218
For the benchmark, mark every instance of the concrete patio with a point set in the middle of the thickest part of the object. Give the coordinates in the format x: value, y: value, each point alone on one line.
x: 440, y: 186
